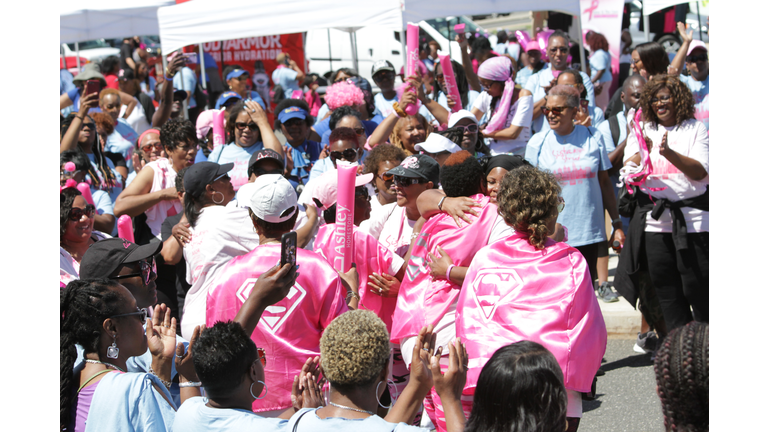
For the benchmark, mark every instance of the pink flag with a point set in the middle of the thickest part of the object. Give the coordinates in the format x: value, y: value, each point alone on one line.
x: 370, y: 256
x: 423, y: 300
x: 289, y: 331
x: 450, y: 82
x: 513, y: 292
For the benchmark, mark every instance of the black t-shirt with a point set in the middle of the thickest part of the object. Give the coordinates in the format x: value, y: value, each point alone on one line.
x: 182, y: 286
x: 146, y: 103
x: 126, y: 52
x: 116, y: 159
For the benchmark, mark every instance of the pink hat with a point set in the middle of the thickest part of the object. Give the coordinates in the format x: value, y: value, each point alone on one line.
x: 204, y: 123
x: 696, y: 44
x: 532, y: 45
x: 324, y: 195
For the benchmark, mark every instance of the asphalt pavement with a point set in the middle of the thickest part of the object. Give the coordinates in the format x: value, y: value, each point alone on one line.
x: 626, y: 395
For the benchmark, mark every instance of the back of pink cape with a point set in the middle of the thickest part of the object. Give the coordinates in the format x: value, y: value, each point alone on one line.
x: 370, y: 256
x: 513, y: 292
x: 289, y: 331
x: 423, y: 300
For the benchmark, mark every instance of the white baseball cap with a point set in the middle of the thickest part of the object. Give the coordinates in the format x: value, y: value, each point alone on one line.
x: 436, y: 143
x: 327, y: 188
x: 275, y: 200
x: 458, y: 115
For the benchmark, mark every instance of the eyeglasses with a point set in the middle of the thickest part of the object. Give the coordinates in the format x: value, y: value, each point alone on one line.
x: 140, y: 312
x: 406, y: 181
x: 663, y: 99
x: 158, y: 146
x: 221, y: 177
x: 89, y: 126
x: 67, y: 174
x: 560, y: 205
x: 697, y: 58
x: 468, y: 129
x: 349, y: 154
x: 241, y: 126
x: 262, y: 356
x: 387, y: 177
x: 187, y: 148
x: 556, y: 49
x: 556, y: 110
x: 148, y: 269
x: 359, y: 131
x: 76, y: 213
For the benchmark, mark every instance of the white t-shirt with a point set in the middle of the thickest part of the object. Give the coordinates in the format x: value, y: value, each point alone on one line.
x: 689, y: 139
x: 194, y: 415
x: 220, y: 234
x: 520, y: 114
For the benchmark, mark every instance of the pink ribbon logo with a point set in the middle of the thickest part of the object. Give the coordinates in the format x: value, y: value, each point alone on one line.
x: 592, y: 8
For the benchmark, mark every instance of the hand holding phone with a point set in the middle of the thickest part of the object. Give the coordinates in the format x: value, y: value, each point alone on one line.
x: 92, y: 87
x: 288, y: 249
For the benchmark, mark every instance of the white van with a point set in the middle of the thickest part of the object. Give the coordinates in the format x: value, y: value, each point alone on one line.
x: 94, y: 50
x: 330, y: 49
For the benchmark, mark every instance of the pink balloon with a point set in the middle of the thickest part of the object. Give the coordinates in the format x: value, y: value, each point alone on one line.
x: 125, y: 228
x: 345, y: 214
x: 523, y: 38
x: 85, y: 190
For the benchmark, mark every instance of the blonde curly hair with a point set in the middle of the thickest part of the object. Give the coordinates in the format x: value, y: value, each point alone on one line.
x: 354, y: 349
x: 394, y: 138
x: 527, y: 198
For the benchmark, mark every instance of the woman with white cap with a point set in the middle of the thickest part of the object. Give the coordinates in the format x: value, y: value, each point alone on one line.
x: 508, y: 111
x: 438, y: 147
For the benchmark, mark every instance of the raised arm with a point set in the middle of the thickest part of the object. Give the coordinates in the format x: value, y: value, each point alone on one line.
x: 130, y: 103
x: 472, y: 79
x: 137, y: 198
x: 257, y: 114
x: 163, y: 111
x: 438, y: 111
x: 679, y: 61
x: 69, y: 140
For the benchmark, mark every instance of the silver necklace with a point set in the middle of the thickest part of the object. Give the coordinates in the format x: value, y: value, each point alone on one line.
x: 104, y: 363
x: 351, y: 409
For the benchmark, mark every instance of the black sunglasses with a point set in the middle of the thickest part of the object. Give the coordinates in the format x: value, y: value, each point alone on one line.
x: 76, y: 213
x: 697, y: 58
x: 148, y: 269
x: 349, y: 154
x: 241, y: 126
x: 384, y: 75
x: 89, y: 126
x: 406, y: 181
x: 556, y: 49
x: 141, y: 312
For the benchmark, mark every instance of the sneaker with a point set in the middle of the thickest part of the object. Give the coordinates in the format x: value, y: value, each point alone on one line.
x: 606, y: 294
x: 646, y: 342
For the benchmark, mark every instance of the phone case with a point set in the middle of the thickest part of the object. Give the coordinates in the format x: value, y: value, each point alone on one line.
x: 288, y: 248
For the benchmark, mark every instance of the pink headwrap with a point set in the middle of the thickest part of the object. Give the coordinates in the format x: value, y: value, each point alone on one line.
x: 499, y: 69
x: 343, y: 94
x: 141, y: 137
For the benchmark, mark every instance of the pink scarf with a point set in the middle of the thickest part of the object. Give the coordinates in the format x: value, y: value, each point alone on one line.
x: 499, y: 69
x: 289, y: 331
x: 514, y: 292
x: 423, y: 300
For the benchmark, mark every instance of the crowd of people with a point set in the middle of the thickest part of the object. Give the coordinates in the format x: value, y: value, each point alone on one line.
x: 480, y: 240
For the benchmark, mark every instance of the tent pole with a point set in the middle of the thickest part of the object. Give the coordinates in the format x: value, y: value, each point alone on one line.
x: 304, y: 48
x: 647, y: 31
x: 63, y: 59
x: 77, y: 55
x: 354, y: 51
x: 202, y: 72
x: 698, y: 16
x: 581, y: 45
x: 405, y: 51
x: 330, y: 57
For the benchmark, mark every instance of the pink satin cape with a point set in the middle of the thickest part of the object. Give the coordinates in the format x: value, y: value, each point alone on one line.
x: 370, y: 256
x: 423, y: 300
x: 289, y: 331
x: 513, y: 292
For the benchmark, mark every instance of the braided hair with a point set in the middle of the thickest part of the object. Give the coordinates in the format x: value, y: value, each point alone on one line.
x: 461, y: 83
x: 66, y: 199
x: 84, y: 305
x: 682, y: 378
x: 102, y: 177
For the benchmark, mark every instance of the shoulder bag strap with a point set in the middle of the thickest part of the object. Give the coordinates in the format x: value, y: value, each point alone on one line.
x: 296, y: 425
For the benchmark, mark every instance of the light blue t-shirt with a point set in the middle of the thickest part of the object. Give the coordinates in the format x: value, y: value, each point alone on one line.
x: 601, y: 60
x: 521, y: 78
x: 325, y: 164
x: 544, y: 77
x: 700, y: 90
x: 321, y: 113
x: 597, y: 115
x: 237, y: 155
x: 122, y: 141
x: 311, y: 422
x: 190, y: 81
x: 575, y: 159
x: 102, y: 202
x: 195, y: 416
x: 286, y: 77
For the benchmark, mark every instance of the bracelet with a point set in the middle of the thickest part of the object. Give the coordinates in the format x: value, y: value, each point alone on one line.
x: 190, y: 384
x: 81, y: 118
x: 351, y: 295
x: 167, y: 75
x: 448, y: 272
x: 440, y: 204
x: 167, y: 384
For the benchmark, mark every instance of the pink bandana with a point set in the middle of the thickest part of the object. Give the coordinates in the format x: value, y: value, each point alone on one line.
x: 499, y: 69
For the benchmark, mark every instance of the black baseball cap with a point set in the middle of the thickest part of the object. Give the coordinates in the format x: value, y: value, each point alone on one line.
x: 382, y: 65
x: 418, y: 166
x: 266, y: 154
x: 202, y: 174
x: 106, y: 256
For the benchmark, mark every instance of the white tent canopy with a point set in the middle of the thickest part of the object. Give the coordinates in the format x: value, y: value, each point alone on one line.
x: 82, y: 20
x: 202, y: 21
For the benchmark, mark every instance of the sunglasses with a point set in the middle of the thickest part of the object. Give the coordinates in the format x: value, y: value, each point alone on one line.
x: 556, y: 110
x: 556, y: 49
x: 387, y: 177
x: 469, y: 129
x: 148, y: 269
x: 560, y: 205
x: 406, y: 181
x: 76, y: 213
x: 349, y: 154
x: 382, y: 76
x: 262, y: 356
x: 158, y: 146
x: 243, y: 77
x: 663, y: 99
x: 67, y: 174
x: 89, y: 126
x: 241, y: 126
x: 697, y: 58
x: 140, y: 312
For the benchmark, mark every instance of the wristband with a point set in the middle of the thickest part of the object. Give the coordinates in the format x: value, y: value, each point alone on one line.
x: 440, y: 204
x: 190, y: 384
x: 448, y: 272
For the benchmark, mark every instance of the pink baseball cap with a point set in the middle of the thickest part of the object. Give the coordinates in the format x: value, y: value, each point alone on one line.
x: 532, y: 45
x: 204, y: 123
x: 696, y: 44
x: 327, y: 187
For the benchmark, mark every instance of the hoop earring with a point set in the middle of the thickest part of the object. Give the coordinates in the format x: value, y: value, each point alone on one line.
x: 113, y: 351
x: 265, y: 390
x: 218, y: 202
x: 391, y: 399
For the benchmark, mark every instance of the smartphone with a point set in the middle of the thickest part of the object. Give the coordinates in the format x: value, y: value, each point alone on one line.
x: 159, y: 68
x: 92, y: 86
x: 288, y: 249
x: 190, y: 57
